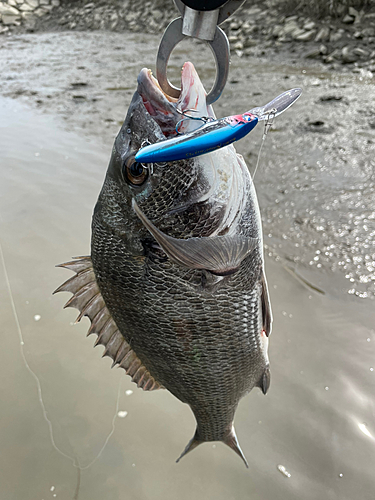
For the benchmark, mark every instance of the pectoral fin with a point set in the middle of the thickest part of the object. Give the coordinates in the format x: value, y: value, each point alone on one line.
x: 222, y: 255
x: 266, y: 308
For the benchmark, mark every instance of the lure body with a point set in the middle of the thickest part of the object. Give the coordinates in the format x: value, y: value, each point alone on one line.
x: 212, y: 135
x: 215, y: 134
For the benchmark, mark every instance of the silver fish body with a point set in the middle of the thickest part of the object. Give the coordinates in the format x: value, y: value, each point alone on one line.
x: 177, y: 266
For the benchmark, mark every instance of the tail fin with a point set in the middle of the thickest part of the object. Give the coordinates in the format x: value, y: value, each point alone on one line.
x: 193, y: 443
x: 230, y: 440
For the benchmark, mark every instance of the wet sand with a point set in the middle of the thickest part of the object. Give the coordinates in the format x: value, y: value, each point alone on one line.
x: 317, y: 419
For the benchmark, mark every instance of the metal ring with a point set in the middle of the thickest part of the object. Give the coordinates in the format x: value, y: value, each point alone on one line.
x: 219, y: 46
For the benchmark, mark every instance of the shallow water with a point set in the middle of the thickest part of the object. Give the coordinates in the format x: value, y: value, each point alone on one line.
x: 317, y: 421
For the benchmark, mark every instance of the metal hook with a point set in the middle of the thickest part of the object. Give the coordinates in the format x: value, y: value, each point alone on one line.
x: 219, y: 46
x: 204, y: 119
x: 269, y: 121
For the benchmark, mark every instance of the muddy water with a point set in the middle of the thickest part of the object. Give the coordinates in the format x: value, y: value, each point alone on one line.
x: 89, y: 433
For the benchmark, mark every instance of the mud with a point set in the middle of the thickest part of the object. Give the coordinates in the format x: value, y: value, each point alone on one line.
x: 316, y: 174
x: 63, y: 97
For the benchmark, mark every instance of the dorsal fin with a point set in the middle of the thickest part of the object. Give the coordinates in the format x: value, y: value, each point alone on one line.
x: 222, y: 255
x: 89, y: 301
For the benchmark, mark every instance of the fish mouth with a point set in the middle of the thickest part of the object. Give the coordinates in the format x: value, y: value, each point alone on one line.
x: 168, y: 111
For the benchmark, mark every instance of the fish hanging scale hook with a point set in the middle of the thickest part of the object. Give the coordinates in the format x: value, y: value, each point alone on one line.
x: 219, y: 46
x: 199, y: 19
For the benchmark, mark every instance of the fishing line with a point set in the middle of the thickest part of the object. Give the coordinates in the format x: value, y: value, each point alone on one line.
x: 39, y: 387
x: 267, y: 125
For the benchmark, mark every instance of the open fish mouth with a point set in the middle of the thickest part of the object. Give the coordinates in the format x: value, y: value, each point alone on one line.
x: 168, y: 111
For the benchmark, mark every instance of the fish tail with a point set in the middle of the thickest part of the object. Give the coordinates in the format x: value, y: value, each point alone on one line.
x: 193, y: 443
x: 230, y: 439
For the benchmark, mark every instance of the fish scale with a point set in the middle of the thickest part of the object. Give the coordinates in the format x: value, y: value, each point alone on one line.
x: 147, y: 303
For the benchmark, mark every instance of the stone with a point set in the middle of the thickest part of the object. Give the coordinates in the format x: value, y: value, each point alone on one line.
x: 44, y: 2
x: 27, y: 14
x: 26, y: 7
x: 309, y: 25
x: 40, y: 11
x: 33, y: 3
x: 55, y: 3
x: 364, y: 54
x: 330, y: 58
x: 289, y: 28
x: 13, y: 3
x: 348, y: 19
x: 323, y: 50
x: 8, y: 10
x: 335, y: 37
x: 10, y: 20
x: 306, y: 37
x: 312, y: 54
x: 348, y: 56
x: 323, y: 34
x: 296, y: 33
x: 353, y: 12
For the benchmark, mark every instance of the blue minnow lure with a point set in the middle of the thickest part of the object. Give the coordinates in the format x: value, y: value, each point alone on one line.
x: 215, y: 134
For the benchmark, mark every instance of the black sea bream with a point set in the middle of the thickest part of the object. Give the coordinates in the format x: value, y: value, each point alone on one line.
x: 175, y: 286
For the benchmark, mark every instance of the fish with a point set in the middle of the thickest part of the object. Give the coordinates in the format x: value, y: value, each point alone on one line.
x: 175, y: 285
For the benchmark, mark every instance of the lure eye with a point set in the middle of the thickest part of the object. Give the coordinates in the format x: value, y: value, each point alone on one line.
x: 134, y: 172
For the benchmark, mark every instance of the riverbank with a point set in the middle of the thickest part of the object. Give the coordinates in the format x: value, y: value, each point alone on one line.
x: 345, y: 41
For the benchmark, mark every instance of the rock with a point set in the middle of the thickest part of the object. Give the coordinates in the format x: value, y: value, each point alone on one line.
x: 312, y: 54
x: 290, y: 19
x: 40, y: 11
x: 331, y: 98
x: 27, y: 14
x: 13, y: 3
x: 8, y: 10
x: 296, y: 33
x: 319, y: 126
x: 348, y: 19
x: 363, y: 54
x: 33, y: 3
x: 306, y: 37
x: 309, y: 25
x: 353, y: 12
x: 348, y: 56
x: 335, y: 37
x: 26, y: 7
x: 10, y: 20
x: 323, y: 50
x: 55, y: 3
x: 44, y: 2
x: 332, y: 56
x: 323, y: 34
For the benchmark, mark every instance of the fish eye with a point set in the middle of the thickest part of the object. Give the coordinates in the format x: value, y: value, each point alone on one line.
x: 134, y: 172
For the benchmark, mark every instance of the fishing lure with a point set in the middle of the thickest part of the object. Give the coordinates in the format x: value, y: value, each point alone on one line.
x: 215, y: 134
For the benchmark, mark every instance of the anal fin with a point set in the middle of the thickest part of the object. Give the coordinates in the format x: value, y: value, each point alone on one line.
x: 89, y: 301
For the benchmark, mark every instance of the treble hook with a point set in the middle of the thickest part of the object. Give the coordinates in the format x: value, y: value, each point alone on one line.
x: 204, y: 119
